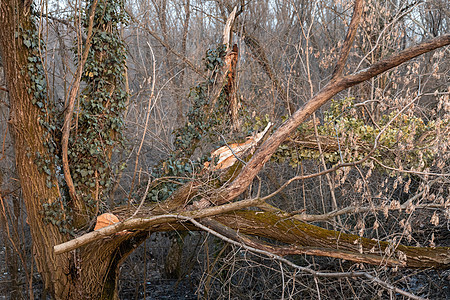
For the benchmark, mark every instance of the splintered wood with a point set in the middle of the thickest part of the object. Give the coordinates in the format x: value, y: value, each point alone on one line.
x: 228, y: 154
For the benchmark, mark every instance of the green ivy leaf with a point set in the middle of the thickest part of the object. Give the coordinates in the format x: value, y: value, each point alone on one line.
x: 27, y: 43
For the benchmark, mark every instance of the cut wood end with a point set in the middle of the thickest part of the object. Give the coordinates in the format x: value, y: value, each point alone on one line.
x: 106, y: 219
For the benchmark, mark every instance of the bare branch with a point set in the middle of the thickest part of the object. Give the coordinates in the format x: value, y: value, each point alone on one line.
x: 168, y: 47
x: 143, y: 223
x: 232, y: 237
x: 409, y: 171
x: 147, y: 117
x: 357, y: 209
x: 332, y: 88
x: 396, y: 60
x: 348, y: 42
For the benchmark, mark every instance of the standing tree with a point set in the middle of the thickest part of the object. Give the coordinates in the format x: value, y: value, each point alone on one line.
x: 46, y: 148
x: 65, y: 169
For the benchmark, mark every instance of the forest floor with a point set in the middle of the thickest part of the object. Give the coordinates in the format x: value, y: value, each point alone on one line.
x: 161, y: 289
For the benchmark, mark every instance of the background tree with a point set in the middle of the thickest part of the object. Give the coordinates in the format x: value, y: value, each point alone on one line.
x: 372, y: 164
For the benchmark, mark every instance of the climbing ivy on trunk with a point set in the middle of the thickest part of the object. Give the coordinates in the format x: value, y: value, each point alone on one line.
x: 101, y: 104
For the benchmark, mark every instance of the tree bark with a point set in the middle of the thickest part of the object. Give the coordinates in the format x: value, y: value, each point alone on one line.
x: 28, y: 139
x: 91, y: 272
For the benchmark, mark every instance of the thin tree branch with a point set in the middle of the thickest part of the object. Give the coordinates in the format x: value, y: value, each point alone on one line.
x: 240, y: 242
x: 357, y: 209
x: 70, y: 107
x: 348, y: 42
x: 396, y: 60
x: 167, y: 46
x: 149, y: 109
x: 409, y: 171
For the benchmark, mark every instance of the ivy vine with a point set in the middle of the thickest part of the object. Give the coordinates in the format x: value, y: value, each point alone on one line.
x: 202, y: 118
x: 101, y: 104
x: 205, y: 117
x: 404, y: 139
x: 99, y: 122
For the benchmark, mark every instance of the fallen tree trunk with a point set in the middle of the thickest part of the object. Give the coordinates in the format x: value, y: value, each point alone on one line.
x: 298, y: 237
x: 304, y: 238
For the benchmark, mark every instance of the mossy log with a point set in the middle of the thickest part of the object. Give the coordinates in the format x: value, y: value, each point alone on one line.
x: 302, y: 238
x: 289, y: 236
x: 295, y: 236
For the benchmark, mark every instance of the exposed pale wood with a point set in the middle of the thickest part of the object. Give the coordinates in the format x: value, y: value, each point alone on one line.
x: 230, y: 88
x: 227, y: 31
x: 228, y: 155
x: 104, y: 220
